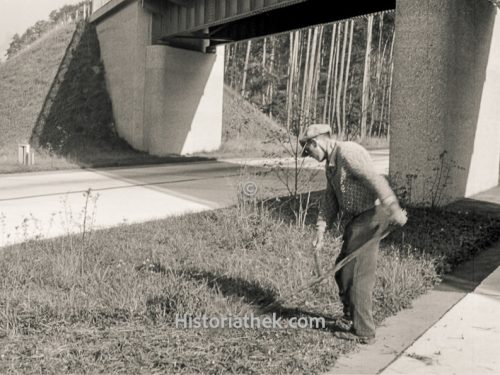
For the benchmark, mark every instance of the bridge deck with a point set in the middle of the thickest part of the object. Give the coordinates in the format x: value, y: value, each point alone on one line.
x: 222, y: 21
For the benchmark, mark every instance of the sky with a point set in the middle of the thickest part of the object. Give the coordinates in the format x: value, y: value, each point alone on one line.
x: 17, y: 15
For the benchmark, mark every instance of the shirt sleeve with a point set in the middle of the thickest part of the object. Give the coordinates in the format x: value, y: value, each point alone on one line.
x: 360, y: 165
x: 328, y: 209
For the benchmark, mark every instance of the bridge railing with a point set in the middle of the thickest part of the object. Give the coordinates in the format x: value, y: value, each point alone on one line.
x: 96, y: 4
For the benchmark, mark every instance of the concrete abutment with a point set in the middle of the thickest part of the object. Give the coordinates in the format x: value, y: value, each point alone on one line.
x: 183, y: 100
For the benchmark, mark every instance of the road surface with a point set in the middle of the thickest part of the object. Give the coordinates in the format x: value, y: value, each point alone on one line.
x: 49, y: 204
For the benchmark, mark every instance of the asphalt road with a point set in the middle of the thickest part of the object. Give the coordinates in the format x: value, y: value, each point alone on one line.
x: 49, y: 204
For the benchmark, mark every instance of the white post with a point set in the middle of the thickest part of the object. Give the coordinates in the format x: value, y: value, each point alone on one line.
x: 23, y: 153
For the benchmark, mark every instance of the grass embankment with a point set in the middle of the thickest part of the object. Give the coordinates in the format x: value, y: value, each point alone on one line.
x: 105, y: 302
x: 78, y: 130
x: 246, y: 131
x: 25, y: 81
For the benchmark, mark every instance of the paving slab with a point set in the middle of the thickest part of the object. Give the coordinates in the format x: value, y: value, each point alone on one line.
x: 464, y: 341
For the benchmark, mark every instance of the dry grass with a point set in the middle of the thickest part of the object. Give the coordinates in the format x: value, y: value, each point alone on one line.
x: 105, y: 302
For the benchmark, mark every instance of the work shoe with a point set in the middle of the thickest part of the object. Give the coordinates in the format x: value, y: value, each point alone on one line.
x: 339, y: 324
x: 350, y: 335
x: 343, y: 323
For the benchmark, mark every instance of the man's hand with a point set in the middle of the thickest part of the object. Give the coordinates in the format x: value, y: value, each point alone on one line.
x: 397, y: 215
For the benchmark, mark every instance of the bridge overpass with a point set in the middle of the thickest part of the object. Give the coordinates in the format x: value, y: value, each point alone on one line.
x: 164, y: 69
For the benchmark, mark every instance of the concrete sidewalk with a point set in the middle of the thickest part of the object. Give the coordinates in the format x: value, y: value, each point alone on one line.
x: 464, y: 341
x: 453, y: 329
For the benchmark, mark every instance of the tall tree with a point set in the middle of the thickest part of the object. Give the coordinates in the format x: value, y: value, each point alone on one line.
x: 335, y: 79
x: 264, y: 69
x: 317, y: 72
x: 347, y: 74
x: 340, y: 124
x: 377, y: 92
x: 245, y: 69
x: 329, y: 75
x: 270, y: 87
x: 389, y: 94
x: 366, y: 78
x: 14, y: 47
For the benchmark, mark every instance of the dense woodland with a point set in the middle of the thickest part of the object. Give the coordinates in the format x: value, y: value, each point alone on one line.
x: 338, y: 73
x: 63, y: 15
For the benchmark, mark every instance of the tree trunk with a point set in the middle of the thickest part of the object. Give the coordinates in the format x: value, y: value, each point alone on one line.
x: 317, y: 73
x: 310, y: 76
x: 389, y: 95
x: 335, y: 82
x: 306, y: 71
x: 270, y: 87
x: 383, y: 86
x: 366, y: 79
x: 291, y: 60
x: 329, y: 75
x: 340, y: 84
x: 293, y: 76
x: 234, y: 68
x: 264, y: 72
x: 378, y: 74
x: 245, y: 69
x: 347, y: 75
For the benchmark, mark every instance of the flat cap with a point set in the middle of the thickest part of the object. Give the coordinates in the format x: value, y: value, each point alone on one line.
x: 313, y: 131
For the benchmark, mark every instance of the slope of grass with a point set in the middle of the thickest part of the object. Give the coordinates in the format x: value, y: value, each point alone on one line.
x: 243, y: 120
x: 25, y: 81
x: 106, y: 301
x: 246, y: 131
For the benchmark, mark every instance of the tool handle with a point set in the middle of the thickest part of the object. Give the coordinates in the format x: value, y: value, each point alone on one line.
x: 334, y: 269
x: 317, y: 263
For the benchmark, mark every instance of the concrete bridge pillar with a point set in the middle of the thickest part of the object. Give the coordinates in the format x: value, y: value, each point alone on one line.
x: 183, y: 100
x: 445, y: 117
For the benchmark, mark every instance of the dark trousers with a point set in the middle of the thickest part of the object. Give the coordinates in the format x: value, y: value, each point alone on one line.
x: 357, y: 279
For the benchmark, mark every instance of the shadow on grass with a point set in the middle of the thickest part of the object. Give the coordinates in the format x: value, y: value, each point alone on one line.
x: 265, y: 300
x: 469, y: 274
